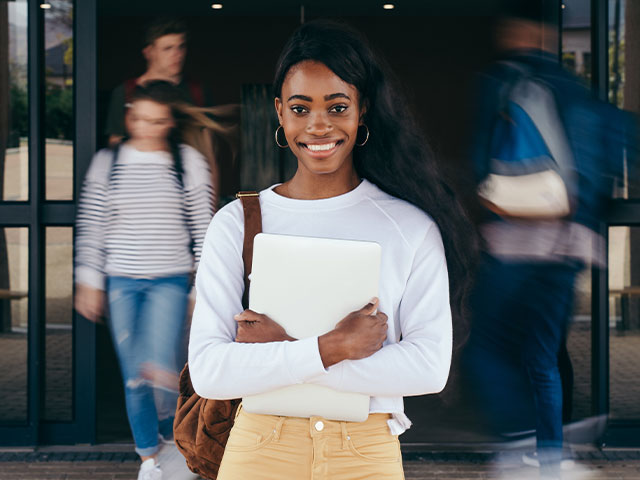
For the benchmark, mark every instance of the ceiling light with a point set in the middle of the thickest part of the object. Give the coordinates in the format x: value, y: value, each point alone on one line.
x: 45, y: 6
x: 564, y: 6
x: 388, y: 6
x: 216, y: 6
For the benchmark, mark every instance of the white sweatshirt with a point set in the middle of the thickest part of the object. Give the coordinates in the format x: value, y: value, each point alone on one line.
x: 414, y: 293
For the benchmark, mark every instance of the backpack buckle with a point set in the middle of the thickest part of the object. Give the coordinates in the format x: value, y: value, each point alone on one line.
x: 247, y: 194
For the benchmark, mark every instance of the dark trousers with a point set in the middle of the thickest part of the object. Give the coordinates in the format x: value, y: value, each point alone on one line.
x: 520, y: 314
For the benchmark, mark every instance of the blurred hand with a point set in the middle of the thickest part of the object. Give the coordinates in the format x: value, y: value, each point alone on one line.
x: 89, y: 302
x: 190, y: 306
x: 257, y: 328
x: 358, y: 335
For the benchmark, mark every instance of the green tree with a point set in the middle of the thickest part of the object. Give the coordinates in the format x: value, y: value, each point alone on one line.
x: 59, y: 112
x: 18, y: 114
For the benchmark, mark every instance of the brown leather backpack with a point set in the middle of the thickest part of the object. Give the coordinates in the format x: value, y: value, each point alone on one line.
x: 201, y: 426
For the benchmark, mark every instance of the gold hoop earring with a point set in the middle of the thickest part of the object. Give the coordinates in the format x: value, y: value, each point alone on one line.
x: 277, y: 142
x: 366, y: 138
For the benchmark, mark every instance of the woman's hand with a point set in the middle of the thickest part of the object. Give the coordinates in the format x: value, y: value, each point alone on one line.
x: 89, y: 302
x: 257, y: 328
x: 358, y: 335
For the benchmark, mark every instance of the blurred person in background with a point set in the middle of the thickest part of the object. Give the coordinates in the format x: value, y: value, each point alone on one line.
x: 143, y: 213
x: 545, y: 155
x: 165, y: 51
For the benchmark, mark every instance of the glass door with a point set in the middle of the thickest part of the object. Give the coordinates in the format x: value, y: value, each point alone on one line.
x: 18, y: 310
x: 45, y: 352
x: 601, y: 44
x: 623, y: 69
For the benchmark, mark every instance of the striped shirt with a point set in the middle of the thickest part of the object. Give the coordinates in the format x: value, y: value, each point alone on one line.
x: 137, y: 219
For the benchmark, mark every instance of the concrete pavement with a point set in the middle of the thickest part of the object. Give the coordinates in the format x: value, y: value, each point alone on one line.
x: 91, y: 464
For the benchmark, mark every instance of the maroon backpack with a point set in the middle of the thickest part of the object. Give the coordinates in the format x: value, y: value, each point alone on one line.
x: 195, y: 91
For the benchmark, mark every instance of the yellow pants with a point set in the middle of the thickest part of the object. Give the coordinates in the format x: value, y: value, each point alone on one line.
x: 266, y: 447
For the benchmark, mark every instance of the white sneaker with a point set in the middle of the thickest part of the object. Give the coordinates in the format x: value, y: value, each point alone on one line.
x: 150, y: 470
x: 532, y: 460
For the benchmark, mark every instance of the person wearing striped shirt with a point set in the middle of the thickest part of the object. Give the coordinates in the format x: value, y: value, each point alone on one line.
x: 143, y: 214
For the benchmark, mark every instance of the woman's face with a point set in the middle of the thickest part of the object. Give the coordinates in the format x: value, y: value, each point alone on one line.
x: 148, y: 120
x: 320, y: 114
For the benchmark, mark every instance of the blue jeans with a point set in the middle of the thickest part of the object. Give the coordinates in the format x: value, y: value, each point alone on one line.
x: 521, y: 313
x: 146, y: 323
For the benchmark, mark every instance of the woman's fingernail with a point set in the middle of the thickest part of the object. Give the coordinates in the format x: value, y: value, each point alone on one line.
x: 373, y: 300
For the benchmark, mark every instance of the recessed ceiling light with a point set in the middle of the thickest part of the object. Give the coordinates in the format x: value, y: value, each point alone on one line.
x: 45, y: 6
x: 216, y: 6
x: 388, y: 6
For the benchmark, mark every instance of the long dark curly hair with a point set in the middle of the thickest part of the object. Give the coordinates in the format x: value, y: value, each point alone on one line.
x: 397, y: 157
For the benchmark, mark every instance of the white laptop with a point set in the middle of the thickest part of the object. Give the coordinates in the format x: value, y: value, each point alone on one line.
x: 326, y: 279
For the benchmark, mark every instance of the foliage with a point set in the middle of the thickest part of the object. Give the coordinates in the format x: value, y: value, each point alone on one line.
x: 616, y: 78
x: 58, y: 113
x: 18, y: 115
x: 68, y: 52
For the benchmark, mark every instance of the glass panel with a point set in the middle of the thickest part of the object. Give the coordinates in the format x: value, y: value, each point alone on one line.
x: 579, y: 348
x: 624, y: 324
x: 616, y: 51
x: 624, y: 76
x: 576, y: 37
x: 58, y: 404
x: 14, y: 114
x: 14, y: 264
x: 58, y: 24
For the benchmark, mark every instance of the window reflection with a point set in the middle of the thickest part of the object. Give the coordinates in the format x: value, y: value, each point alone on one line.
x: 624, y: 324
x: 14, y: 112
x: 576, y: 37
x: 624, y: 77
x: 14, y: 265
x: 58, y: 21
x: 58, y: 334
x: 616, y: 52
x: 579, y: 347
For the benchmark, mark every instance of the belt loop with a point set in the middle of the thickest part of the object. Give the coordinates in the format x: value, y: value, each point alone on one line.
x: 345, y: 435
x: 278, y: 428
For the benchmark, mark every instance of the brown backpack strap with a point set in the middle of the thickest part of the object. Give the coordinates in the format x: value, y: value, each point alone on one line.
x: 252, y: 226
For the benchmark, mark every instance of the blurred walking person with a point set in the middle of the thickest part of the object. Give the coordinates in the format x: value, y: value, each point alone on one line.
x: 143, y: 213
x: 545, y: 155
x: 165, y: 52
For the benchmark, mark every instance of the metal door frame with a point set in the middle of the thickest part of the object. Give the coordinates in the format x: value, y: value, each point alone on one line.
x: 38, y: 213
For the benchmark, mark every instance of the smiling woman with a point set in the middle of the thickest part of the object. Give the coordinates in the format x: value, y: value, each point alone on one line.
x: 320, y: 127
x: 364, y: 172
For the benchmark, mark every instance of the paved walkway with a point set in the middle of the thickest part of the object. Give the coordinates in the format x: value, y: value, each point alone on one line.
x: 624, y: 347
x: 59, y: 464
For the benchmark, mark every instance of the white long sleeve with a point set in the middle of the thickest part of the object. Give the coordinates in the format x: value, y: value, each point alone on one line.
x: 420, y: 362
x: 413, y: 293
x: 91, y: 223
x: 219, y: 367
